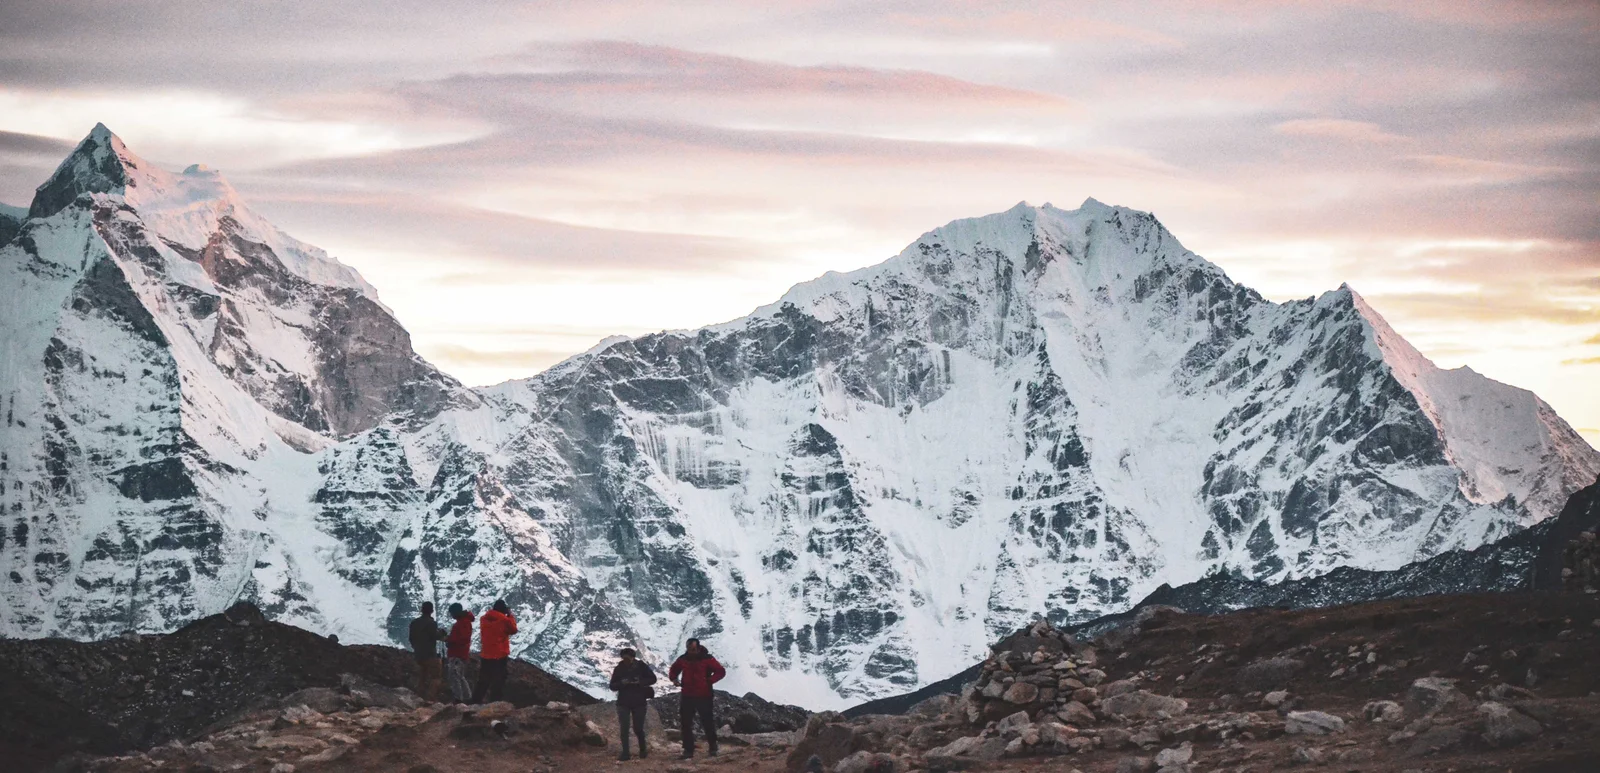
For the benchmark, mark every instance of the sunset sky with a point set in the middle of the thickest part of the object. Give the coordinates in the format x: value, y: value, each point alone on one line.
x: 520, y: 181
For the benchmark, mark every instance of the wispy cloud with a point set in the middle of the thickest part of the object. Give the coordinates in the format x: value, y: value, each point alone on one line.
x: 603, y: 166
x: 1337, y: 129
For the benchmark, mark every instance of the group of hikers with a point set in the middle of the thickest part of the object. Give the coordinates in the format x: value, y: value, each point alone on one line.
x: 694, y: 672
x: 495, y: 630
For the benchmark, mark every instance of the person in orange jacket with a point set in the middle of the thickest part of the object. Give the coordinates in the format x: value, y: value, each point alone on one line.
x: 494, y: 631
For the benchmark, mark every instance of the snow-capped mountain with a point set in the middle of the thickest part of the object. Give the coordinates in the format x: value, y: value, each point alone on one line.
x: 847, y: 493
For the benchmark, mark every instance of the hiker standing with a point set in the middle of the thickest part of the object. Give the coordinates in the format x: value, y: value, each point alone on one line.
x: 457, y: 649
x: 631, y: 680
x: 494, y: 630
x: 695, y: 671
x: 425, y: 637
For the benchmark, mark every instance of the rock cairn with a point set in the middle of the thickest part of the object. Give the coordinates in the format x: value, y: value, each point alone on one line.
x: 1040, y: 670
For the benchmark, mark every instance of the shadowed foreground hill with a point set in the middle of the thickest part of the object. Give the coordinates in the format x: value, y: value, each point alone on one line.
x: 1481, y: 683
x: 59, y: 696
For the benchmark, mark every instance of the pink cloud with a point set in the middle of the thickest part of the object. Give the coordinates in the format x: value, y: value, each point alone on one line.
x: 1337, y: 129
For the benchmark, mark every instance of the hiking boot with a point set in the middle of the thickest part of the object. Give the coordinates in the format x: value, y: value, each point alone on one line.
x: 623, y: 757
x: 686, y: 756
x: 712, y: 752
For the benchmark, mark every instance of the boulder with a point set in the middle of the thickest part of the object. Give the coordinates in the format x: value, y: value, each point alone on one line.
x: 1437, y: 740
x: 1171, y: 758
x: 1383, y: 711
x: 1115, y: 738
x: 1093, y: 677
x: 970, y: 747
x: 1051, y: 732
x: 936, y: 706
x: 1135, y: 765
x: 1021, y: 693
x: 1307, y: 755
x: 1118, y: 687
x: 1312, y: 723
x: 299, y: 715
x: 1504, y: 726
x: 365, y: 693
x: 1142, y: 704
x: 1086, y: 695
x: 1013, y: 723
x: 1270, y: 674
x: 866, y: 762
x: 957, y: 748
x: 931, y: 734
x: 292, y: 743
x: 1075, y: 713
x: 832, y: 741
x: 1430, y: 695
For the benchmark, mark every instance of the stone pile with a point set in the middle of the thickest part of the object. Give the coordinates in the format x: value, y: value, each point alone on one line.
x: 1041, y: 671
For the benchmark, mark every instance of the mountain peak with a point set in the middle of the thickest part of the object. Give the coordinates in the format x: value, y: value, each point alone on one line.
x: 100, y: 164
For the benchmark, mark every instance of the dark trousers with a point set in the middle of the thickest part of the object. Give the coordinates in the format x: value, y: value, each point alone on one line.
x: 491, y: 681
x: 688, y: 709
x: 428, y: 678
x: 633, y: 715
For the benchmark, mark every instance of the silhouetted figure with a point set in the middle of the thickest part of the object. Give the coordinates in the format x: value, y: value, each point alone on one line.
x: 631, y: 680
x: 425, y: 637
x: 695, y: 671
x: 494, y: 630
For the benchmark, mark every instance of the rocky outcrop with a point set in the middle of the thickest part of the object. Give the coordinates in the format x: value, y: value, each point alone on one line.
x: 134, y: 692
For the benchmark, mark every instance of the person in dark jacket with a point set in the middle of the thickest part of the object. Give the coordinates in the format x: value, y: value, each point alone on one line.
x: 494, y: 632
x: 695, y: 671
x: 631, y: 681
x: 457, y: 651
x: 425, y: 637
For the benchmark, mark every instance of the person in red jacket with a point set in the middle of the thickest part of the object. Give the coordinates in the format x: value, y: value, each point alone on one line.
x: 695, y: 671
x: 457, y: 651
x: 494, y: 631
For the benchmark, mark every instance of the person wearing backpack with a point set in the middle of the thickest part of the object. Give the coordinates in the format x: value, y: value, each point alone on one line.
x: 457, y: 651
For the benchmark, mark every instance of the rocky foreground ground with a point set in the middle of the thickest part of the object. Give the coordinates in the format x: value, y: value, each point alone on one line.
x: 1448, y: 683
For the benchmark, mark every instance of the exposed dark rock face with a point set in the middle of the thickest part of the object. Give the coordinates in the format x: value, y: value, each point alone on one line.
x: 10, y: 223
x: 95, y: 166
x: 1528, y: 560
x: 748, y: 714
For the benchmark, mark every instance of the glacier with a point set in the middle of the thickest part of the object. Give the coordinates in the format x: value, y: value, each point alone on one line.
x: 847, y: 493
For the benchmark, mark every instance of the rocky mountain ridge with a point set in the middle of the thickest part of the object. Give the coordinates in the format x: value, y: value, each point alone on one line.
x: 1536, y: 559
x: 848, y: 492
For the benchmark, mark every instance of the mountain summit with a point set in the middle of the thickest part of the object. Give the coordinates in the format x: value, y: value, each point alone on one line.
x: 847, y: 493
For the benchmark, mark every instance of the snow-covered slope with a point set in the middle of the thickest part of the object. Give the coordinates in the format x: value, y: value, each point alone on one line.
x: 846, y: 493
